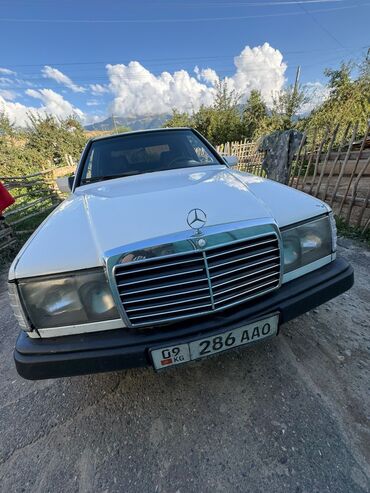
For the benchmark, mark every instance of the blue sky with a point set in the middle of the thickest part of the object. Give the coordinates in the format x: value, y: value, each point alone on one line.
x: 59, y: 51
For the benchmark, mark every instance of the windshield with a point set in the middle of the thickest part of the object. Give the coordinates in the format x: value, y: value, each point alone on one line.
x: 133, y: 154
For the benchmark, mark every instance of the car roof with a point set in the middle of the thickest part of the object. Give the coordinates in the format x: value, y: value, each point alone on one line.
x: 135, y: 132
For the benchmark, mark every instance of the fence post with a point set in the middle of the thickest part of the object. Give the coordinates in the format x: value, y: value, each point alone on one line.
x: 363, y: 143
x: 336, y: 159
x: 348, y: 153
x: 293, y: 168
x: 318, y: 156
x: 309, y: 160
x: 332, y: 140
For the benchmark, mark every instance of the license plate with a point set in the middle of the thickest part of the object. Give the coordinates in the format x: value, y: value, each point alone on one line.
x: 201, y: 348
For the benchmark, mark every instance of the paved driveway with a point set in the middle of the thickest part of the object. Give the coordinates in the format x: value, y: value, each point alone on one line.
x: 291, y: 415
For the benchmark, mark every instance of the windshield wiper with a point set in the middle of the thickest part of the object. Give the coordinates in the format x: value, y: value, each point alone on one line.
x: 108, y: 177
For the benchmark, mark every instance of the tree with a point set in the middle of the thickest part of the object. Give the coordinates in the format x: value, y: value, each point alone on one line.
x: 179, y: 119
x: 54, y: 138
x: 219, y: 123
x: 255, y: 116
x: 286, y: 106
x: 348, y: 101
x: 225, y: 118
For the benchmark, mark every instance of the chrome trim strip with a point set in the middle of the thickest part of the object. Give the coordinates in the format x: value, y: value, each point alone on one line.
x: 236, y: 279
x: 189, y: 235
x: 244, y: 258
x: 138, y: 263
x: 289, y: 276
x: 79, y: 329
x: 158, y: 278
x: 238, y: 269
x: 181, y: 293
x: 166, y: 286
x: 245, y: 292
x: 240, y: 248
x: 251, y: 237
x: 219, y: 293
x: 209, y: 279
x: 172, y: 311
x: 151, y: 307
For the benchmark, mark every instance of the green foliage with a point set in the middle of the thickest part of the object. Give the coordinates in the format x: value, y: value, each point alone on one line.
x: 286, y: 106
x: 352, y: 232
x: 226, y: 120
x: 179, y: 119
x: 44, y: 144
x: 55, y: 138
x: 255, y: 118
x: 221, y: 122
x: 349, y: 100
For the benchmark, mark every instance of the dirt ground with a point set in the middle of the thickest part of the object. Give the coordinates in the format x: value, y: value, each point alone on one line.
x: 290, y: 415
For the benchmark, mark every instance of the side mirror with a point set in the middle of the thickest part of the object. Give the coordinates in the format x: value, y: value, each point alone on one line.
x: 231, y: 160
x: 65, y: 183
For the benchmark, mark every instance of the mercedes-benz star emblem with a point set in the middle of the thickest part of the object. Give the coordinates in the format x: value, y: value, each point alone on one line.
x: 196, y: 219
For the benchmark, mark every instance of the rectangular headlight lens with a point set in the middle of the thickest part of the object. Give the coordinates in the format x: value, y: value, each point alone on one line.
x: 62, y: 300
x: 306, y: 243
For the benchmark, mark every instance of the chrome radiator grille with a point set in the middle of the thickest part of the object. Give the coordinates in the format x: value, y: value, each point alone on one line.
x: 163, y: 289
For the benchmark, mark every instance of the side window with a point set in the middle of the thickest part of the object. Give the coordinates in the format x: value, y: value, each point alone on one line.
x: 89, y: 164
x: 203, y: 154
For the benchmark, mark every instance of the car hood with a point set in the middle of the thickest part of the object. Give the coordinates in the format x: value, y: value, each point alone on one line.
x: 102, y: 216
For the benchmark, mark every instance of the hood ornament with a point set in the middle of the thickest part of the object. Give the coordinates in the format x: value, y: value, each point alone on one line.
x: 196, y: 220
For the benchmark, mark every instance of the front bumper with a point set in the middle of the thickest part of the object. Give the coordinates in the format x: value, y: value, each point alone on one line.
x: 119, y: 349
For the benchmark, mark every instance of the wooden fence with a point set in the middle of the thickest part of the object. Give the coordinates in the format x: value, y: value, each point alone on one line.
x: 249, y: 158
x: 337, y: 172
x: 36, y: 196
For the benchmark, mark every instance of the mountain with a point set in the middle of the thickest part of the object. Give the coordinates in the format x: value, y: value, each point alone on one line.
x: 133, y: 123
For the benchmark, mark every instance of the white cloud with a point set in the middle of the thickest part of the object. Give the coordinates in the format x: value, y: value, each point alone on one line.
x: 261, y: 68
x: 207, y: 75
x: 58, y: 76
x: 52, y: 103
x: 316, y: 93
x: 93, y: 102
x: 8, y: 94
x: 16, y: 112
x: 6, y: 71
x: 138, y: 92
x: 98, y: 89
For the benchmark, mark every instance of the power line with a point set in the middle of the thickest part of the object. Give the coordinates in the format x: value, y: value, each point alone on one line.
x: 222, y: 72
x: 194, y: 59
x: 212, y: 4
x: 174, y: 20
x: 323, y: 28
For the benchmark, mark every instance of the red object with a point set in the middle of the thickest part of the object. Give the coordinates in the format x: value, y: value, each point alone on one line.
x: 6, y: 199
x: 166, y: 361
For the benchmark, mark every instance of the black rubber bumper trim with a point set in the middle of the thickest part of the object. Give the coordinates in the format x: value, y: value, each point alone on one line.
x: 121, y: 349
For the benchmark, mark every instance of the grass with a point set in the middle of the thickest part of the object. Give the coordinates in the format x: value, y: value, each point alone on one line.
x: 352, y: 232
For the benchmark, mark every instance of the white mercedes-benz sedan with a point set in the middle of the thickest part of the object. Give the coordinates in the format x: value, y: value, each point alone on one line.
x: 163, y: 254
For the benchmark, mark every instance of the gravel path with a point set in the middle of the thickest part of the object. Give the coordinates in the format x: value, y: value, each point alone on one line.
x: 290, y: 415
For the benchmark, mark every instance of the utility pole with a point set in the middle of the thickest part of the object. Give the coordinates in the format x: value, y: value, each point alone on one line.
x: 293, y: 100
x: 114, y: 123
x: 297, y: 76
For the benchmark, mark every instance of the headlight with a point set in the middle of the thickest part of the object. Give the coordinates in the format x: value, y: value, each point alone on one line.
x: 72, y: 299
x: 308, y: 242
